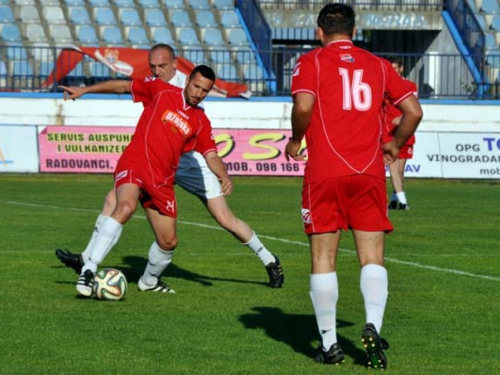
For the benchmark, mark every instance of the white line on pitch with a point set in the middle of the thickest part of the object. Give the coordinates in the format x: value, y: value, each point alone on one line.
x: 393, y: 260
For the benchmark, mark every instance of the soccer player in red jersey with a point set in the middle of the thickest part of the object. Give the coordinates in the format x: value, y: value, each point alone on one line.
x: 338, y: 92
x: 392, y: 116
x: 193, y: 174
x: 171, y: 124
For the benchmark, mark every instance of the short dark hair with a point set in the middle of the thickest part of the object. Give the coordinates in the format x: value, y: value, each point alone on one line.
x: 337, y: 18
x: 205, y: 71
x: 396, y: 60
x: 168, y: 47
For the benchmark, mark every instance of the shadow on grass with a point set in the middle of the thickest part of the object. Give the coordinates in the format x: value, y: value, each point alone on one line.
x: 137, y: 264
x: 298, y: 331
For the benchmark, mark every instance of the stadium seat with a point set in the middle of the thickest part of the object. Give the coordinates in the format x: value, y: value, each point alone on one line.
x: 53, y: 15
x: 112, y: 35
x: 495, y: 23
x: 24, y: 2
x: 86, y: 35
x: 149, y: 3
x: 3, y: 74
x: 482, y: 21
x: 490, y: 42
x: 60, y: 34
x: 174, y: 4
x: 98, y: 71
x: 212, y: 37
x: 99, y: 3
x: 29, y: 13
x: 253, y: 72
x: 35, y: 33
x: 104, y: 16
x: 124, y: 3
x: 79, y: 16
x: 244, y: 55
x: 205, y: 18
x: 75, y: 3
x: 220, y: 56
x: 42, y: 52
x: 22, y: 69
x: 129, y: 17
x: 180, y: 18
x: 16, y: 52
x: 11, y: 33
x: 195, y: 54
x: 227, y: 72
x: 493, y: 58
x: 137, y: 36
x: 489, y: 7
x: 45, y: 68
x: 223, y: 4
x: 6, y: 15
x: 237, y: 37
x: 199, y: 4
x: 187, y: 36
x: 155, y: 17
x: 162, y: 35
x: 229, y: 19
x: 472, y: 5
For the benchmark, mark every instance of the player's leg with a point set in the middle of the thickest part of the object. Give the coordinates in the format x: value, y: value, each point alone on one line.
x: 75, y: 260
x: 196, y: 178
x: 160, y: 253
x: 397, y: 184
x: 127, y: 195
x: 374, y: 289
x: 400, y: 193
x: 324, y: 293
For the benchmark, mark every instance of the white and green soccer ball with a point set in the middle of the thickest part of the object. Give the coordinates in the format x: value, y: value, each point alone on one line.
x: 109, y: 284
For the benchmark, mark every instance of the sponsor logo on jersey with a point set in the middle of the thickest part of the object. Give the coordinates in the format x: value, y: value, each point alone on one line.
x: 347, y: 58
x: 306, y: 216
x: 180, y: 124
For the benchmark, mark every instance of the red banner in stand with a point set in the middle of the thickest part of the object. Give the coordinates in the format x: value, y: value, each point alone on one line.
x: 132, y: 63
x: 91, y: 149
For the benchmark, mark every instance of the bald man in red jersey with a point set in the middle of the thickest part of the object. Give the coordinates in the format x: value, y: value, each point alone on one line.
x: 338, y: 92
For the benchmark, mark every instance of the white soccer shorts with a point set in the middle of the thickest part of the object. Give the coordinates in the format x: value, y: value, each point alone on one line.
x: 195, y: 177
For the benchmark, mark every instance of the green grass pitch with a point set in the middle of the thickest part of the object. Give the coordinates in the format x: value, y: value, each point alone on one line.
x: 442, y: 315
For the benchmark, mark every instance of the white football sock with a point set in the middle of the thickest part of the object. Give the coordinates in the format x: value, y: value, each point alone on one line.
x: 107, y: 236
x: 374, y: 284
x: 98, y: 224
x: 157, y: 263
x: 324, y: 296
x: 402, y: 197
x: 260, y: 250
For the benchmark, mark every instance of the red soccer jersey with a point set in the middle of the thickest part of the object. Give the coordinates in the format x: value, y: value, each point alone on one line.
x: 167, y: 127
x: 349, y: 84
x: 390, y: 112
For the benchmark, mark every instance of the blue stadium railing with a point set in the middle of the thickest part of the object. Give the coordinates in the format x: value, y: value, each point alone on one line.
x: 436, y: 75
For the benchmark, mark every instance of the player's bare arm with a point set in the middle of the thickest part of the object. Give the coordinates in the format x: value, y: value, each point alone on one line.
x: 412, y: 114
x: 216, y: 165
x: 303, y: 105
x: 115, y: 86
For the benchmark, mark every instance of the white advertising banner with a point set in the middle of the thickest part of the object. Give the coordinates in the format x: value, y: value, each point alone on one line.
x: 455, y: 155
x: 18, y: 149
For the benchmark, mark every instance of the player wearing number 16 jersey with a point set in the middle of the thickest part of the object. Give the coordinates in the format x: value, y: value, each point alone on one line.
x: 338, y: 92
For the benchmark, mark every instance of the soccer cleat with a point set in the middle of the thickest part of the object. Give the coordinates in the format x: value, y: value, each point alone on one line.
x: 403, y: 206
x: 275, y: 272
x: 160, y: 287
x: 84, y: 284
x: 70, y: 259
x: 393, y: 205
x: 334, y: 356
x: 374, y: 346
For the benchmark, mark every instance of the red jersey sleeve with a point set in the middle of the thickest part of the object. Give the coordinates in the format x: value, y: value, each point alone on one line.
x: 304, y: 75
x: 204, y: 140
x: 144, y: 90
